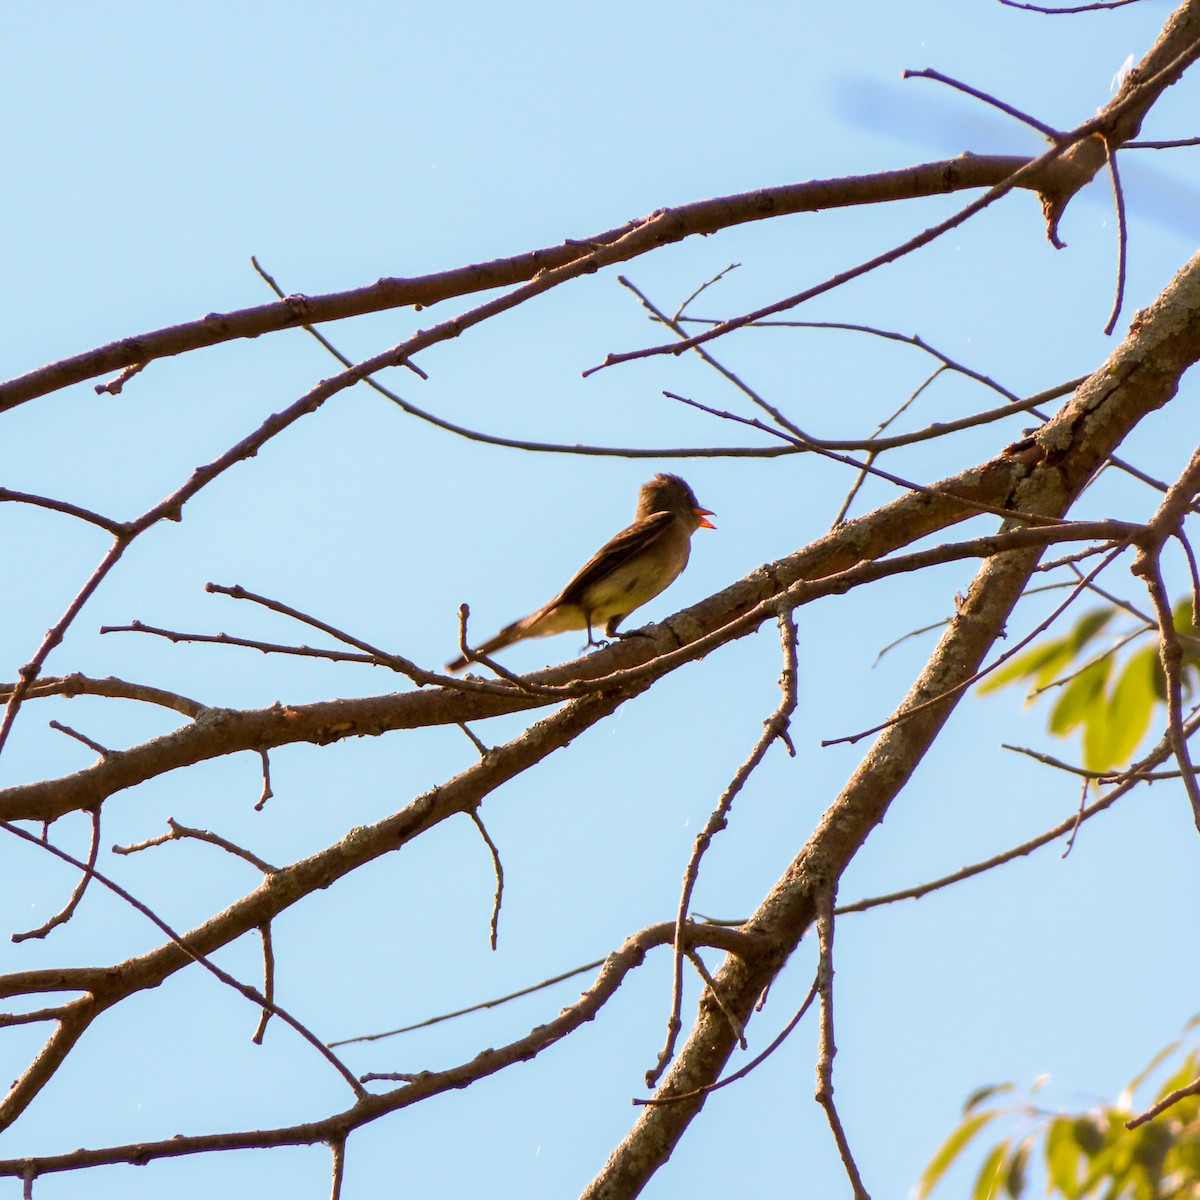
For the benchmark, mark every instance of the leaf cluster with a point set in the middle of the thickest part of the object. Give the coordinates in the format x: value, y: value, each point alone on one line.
x: 1090, y: 1155
x: 1110, y: 693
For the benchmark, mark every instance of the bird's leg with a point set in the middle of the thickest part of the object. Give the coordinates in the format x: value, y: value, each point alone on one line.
x: 598, y: 643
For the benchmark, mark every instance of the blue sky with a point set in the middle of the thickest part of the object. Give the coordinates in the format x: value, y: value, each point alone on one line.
x: 150, y: 151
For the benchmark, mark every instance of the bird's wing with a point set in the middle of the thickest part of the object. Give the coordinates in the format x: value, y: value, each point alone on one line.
x: 633, y: 540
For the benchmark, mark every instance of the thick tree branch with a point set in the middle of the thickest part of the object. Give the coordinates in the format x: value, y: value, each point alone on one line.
x: 1141, y: 375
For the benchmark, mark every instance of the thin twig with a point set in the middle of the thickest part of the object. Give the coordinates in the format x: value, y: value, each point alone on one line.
x: 1031, y: 405
x: 34, y: 1016
x: 178, y: 832
x: 30, y: 671
x: 338, y: 1146
x: 250, y: 993
x: 912, y: 633
x: 103, y: 751
x: 395, y: 661
x: 113, y: 386
x: 1122, y: 236
x: 1194, y: 572
x: 1099, y: 776
x: 473, y: 656
x: 861, y: 480
x: 701, y: 289
x: 774, y: 727
x: 474, y: 740
x: 118, y: 689
x: 1173, y: 144
x: 828, y: 1047
x: 269, y: 280
x: 1171, y: 655
x: 225, y: 639
x: 68, y: 910
x: 1129, y: 780
x: 499, y: 869
x: 1166, y: 523
x: 483, y: 1006
x: 1095, y: 6
x: 908, y: 339
x: 384, y: 658
x: 1107, y: 652
x: 742, y: 1072
x: 1040, y: 628
x: 1045, y: 130
x: 1161, y: 1106
x: 266, y: 792
x: 673, y: 323
x: 62, y: 506
x: 268, y: 948
x: 1104, y: 120
x: 859, y: 464
x: 1083, y: 794
x: 804, y: 442
x: 739, y: 1030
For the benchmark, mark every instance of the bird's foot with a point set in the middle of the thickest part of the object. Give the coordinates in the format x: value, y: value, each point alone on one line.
x: 633, y: 633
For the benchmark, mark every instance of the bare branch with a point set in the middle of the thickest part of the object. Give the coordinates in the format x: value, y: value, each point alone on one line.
x: 82, y: 685
x: 499, y: 869
x: 1011, y: 652
x: 1168, y: 1101
x: 1127, y: 109
x: 1045, y: 130
x: 828, y: 1047
x: 635, y: 237
x: 1122, y: 238
x: 15, y: 1101
x: 776, y: 726
x: 1166, y: 522
x: 178, y: 832
x: 268, y: 983
x: 1094, y: 6
x: 103, y: 751
x: 1139, y: 773
x: 67, y: 912
x: 116, y: 528
x: 368, y: 1108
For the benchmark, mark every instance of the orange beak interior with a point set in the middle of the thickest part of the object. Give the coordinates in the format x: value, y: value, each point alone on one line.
x: 704, y: 514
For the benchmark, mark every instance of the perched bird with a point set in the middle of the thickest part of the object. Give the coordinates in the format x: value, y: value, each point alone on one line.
x: 623, y: 574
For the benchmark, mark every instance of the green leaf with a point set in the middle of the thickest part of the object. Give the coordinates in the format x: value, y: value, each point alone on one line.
x: 1150, y: 1145
x: 1181, y: 615
x: 1145, y: 1073
x: 1088, y: 626
x: 1159, y: 679
x: 1090, y: 1133
x: 1180, y: 1077
x: 1080, y: 697
x: 1064, y: 1156
x: 1018, y: 1170
x: 991, y: 1175
x: 1042, y: 662
x: 1129, y: 713
x: 1113, y: 1162
x: 979, y: 1095
x: 1038, y: 664
x: 950, y: 1149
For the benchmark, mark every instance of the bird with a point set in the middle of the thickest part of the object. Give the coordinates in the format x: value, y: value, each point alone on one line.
x: 627, y: 571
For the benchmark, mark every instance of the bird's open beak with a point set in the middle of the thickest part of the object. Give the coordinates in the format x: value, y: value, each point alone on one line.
x: 704, y: 514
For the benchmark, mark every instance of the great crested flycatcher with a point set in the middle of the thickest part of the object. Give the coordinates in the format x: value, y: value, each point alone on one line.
x: 623, y: 574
